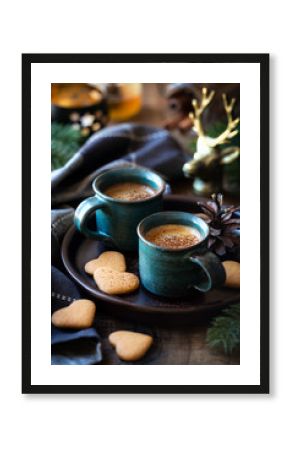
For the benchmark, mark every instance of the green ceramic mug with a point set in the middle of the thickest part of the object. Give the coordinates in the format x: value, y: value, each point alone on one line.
x: 177, y: 272
x: 116, y: 220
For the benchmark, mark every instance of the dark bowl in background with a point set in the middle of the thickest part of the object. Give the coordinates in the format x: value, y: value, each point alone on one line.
x: 96, y: 113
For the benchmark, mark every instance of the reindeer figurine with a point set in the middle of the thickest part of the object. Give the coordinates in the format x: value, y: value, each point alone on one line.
x: 207, y: 164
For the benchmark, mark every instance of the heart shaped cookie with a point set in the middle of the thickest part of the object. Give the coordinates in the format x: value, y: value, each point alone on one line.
x: 130, y: 346
x: 112, y: 282
x: 78, y: 315
x: 232, y: 269
x: 113, y: 260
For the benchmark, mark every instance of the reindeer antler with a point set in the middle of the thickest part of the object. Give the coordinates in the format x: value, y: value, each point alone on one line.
x: 198, y: 110
x: 228, y: 133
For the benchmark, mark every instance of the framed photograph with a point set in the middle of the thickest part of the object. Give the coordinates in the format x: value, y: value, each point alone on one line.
x: 145, y: 223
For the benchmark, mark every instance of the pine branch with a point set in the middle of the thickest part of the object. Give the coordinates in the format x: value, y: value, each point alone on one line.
x: 224, y: 334
x: 65, y: 142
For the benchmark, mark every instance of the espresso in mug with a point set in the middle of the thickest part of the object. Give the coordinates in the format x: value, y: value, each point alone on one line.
x: 173, y: 257
x: 173, y: 236
x: 130, y: 191
x: 123, y: 198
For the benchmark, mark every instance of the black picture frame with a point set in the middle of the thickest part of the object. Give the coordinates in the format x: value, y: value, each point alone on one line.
x: 263, y: 60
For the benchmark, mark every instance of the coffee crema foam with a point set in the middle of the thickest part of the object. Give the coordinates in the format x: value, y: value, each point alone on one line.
x: 173, y: 236
x: 130, y: 191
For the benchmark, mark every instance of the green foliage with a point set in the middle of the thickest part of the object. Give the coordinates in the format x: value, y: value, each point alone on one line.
x: 212, y: 130
x: 215, y: 129
x: 224, y: 334
x: 65, y: 141
x: 232, y: 173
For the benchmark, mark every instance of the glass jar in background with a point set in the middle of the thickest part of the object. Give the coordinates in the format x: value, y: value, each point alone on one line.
x: 124, y: 100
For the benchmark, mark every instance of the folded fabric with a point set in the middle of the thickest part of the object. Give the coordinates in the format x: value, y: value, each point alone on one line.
x: 71, y: 346
x: 61, y: 220
x: 127, y: 143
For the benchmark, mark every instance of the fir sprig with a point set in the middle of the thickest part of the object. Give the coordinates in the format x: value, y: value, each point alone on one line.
x: 224, y: 334
x: 65, y: 141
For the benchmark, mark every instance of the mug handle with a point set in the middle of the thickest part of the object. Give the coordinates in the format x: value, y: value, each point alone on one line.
x: 82, y: 215
x: 214, y: 274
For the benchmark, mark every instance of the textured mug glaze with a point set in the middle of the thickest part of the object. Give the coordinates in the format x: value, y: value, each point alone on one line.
x: 116, y: 219
x: 177, y: 272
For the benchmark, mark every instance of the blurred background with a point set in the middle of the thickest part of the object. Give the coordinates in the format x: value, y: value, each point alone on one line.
x: 81, y: 109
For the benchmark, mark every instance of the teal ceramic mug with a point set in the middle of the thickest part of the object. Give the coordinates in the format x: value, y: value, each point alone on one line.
x: 116, y: 219
x: 177, y: 272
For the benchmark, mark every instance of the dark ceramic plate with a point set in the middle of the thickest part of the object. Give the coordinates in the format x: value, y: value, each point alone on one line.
x: 142, y: 305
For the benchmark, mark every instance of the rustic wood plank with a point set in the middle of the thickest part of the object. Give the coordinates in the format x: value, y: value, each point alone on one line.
x: 174, y: 346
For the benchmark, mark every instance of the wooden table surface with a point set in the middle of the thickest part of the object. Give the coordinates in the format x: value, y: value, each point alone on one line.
x: 172, y: 345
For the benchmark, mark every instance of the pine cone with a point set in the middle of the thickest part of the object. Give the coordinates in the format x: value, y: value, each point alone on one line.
x: 223, y: 222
